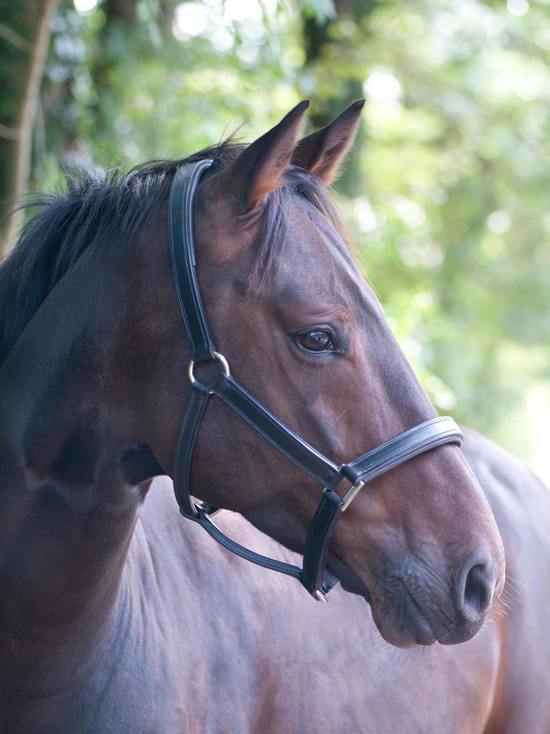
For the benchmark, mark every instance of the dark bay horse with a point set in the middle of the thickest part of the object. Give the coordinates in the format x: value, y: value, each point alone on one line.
x: 117, y: 615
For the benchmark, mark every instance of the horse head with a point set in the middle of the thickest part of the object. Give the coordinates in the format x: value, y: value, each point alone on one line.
x: 306, y: 334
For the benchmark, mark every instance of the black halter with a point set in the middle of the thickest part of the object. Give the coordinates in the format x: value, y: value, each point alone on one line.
x: 421, y: 438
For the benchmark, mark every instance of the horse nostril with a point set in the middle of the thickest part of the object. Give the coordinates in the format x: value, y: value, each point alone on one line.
x: 475, y: 587
x: 478, y: 589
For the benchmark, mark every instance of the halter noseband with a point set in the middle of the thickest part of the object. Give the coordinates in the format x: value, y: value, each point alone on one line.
x: 423, y: 437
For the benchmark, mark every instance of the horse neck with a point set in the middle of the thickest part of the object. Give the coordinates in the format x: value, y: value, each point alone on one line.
x: 66, y: 513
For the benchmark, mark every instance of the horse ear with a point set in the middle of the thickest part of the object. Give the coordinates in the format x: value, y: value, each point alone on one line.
x: 323, y: 151
x: 258, y: 169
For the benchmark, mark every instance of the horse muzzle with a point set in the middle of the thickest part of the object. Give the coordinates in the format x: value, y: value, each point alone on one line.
x: 415, y: 605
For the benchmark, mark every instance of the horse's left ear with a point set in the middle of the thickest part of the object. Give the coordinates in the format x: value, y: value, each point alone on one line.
x: 323, y: 151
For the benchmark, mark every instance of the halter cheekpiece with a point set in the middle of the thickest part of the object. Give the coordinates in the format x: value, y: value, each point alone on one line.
x: 423, y: 437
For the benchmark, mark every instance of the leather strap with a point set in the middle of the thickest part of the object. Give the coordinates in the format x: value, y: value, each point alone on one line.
x: 201, y: 513
x: 181, y: 229
x: 279, y: 435
x: 428, y: 435
x: 423, y: 437
x: 314, y: 575
x: 185, y: 449
x: 239, y: 550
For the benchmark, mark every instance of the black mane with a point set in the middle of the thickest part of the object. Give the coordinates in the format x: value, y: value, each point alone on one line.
x: 112, y: 207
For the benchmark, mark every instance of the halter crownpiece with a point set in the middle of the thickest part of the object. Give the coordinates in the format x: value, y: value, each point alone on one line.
x: 423, y: 437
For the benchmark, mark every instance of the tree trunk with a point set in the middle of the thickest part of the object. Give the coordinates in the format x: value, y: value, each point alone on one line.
x: 24, y: 38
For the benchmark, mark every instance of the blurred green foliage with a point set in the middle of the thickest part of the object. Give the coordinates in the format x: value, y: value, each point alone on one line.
x: 445, y: 192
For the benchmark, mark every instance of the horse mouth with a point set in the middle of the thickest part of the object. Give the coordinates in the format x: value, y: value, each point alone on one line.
x: 401, y: 622
x: 396, y: 614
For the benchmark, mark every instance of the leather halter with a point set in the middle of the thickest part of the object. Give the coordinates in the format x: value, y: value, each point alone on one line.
x: 423, y: 437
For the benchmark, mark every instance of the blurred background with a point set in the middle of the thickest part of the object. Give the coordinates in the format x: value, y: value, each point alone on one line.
x: 445, y: 193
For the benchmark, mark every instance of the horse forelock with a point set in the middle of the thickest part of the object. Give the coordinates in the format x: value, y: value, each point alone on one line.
x: 274, y: 232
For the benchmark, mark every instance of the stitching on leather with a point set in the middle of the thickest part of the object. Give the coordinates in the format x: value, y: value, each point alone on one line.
x: 205, y: 343
x: 295, y: 440
x: 189, y: 221
x: 402, y: 438
x: 195, y: 415
x: 174, y: 268
x: 409, y: 452
x: 312, y: 571
x: 240, y: 411
x: 250, y: 555
x: 272, y: 441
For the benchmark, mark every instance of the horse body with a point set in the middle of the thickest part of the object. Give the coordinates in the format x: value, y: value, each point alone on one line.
x: 521, y: 505
x: 117, y: 615
x: 198, y: 641
x: 269, y: 660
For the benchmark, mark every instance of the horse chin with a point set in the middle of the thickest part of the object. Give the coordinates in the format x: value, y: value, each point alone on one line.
x: 399, y: 626
x: 403, y: 623
x: 402, y: 628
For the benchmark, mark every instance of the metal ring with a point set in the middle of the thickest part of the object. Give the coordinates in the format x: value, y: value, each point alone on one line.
x: 216, y: 356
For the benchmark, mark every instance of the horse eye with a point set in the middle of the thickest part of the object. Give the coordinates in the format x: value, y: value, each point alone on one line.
x: 316, y: 340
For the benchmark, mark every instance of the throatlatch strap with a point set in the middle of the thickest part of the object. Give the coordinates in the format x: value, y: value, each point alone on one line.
x: 257, y: 558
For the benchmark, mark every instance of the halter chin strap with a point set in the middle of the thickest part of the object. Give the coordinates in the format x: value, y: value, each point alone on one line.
x: 423, y: 437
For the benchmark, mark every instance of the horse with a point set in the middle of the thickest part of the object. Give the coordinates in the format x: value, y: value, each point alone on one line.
x: 118, y: 614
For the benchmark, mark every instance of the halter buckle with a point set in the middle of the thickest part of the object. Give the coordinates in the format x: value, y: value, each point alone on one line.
x: 355, y: 488
x: 320, y: 596
x: 216, y: 357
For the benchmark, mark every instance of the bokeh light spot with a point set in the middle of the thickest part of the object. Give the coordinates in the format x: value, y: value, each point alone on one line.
x: 517, y: 7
